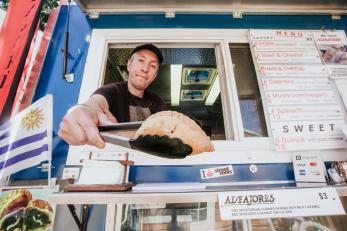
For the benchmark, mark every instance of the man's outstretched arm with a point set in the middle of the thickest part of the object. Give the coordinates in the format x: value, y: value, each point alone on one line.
x: 79, y: 125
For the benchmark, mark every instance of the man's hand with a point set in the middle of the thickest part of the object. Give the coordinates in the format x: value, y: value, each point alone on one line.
x: 79, y: 125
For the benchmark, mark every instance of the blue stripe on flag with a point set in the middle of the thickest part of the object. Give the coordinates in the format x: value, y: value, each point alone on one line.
x: 5, y: 126
x: 4, y: 136
x: 23, y: 141
x: 23, y: 156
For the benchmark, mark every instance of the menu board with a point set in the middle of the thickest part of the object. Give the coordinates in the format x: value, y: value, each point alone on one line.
x: 332, y: 46
x: 300, y: 104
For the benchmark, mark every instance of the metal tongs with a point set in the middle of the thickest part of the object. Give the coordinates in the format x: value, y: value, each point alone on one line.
x: 122, y: 134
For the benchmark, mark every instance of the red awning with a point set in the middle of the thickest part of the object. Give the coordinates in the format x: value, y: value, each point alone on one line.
x: 16, y: 34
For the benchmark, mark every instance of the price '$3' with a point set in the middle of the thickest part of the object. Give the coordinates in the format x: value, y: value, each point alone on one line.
x: 323, y: 196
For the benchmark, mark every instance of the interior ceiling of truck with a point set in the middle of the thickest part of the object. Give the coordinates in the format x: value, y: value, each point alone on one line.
x: 236, y: 7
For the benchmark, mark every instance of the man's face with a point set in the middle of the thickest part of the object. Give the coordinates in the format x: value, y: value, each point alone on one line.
x: 143, y: 68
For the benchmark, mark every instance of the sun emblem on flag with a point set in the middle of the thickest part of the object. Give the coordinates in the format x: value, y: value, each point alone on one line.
x: 33, y: 119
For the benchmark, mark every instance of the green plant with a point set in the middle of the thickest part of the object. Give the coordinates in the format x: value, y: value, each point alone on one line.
x: 46, y: 10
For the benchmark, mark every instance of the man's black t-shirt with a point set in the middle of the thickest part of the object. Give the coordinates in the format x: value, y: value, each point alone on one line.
x: 128, y: 107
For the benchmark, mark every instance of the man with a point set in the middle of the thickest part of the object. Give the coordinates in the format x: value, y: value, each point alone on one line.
x: 116, y: 102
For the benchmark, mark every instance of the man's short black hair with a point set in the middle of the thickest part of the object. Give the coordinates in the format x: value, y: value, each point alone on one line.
x: 151, y: 47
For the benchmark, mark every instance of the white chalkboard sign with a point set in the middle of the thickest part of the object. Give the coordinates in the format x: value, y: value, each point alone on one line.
x: 301, y: 107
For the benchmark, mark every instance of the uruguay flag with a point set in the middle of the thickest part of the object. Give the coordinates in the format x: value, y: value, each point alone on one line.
x: 26, y: 139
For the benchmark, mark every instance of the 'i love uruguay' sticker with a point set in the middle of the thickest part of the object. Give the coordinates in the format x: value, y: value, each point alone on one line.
x: 216, y: 172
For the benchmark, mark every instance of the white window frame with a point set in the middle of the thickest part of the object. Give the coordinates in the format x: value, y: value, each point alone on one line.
x: 239, y: 149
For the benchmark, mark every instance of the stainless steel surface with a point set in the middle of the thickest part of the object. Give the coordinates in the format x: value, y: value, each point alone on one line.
x: 115, y: 139
x: 237, y: 7
x: 121, y: 126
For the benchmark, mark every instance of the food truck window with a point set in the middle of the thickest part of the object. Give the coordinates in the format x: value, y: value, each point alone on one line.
x: 187, y: 81
x: 248, y: 91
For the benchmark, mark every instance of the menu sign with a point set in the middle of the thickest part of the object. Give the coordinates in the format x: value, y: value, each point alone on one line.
x: 260, y: 204
x: 300, y: 97
x: 283, y: 45
x: 305, y: 113
x: 332, y: 46
x: 288, y: 57
x: 301, y: 105
x: 280, y: 35
x: 272, y: 84
x: 293, y: 70
x: 303, y: 134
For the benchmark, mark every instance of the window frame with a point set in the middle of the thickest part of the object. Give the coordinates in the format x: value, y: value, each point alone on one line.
x: 103, y: 39
x: 237, y: 148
